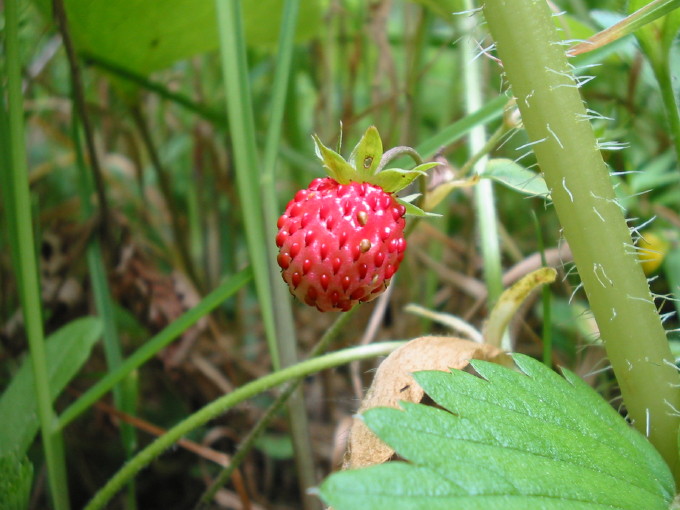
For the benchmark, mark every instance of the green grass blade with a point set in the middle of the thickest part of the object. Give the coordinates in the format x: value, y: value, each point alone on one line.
x: 67, y: 351
x: 485, y: 203
x: 25, y: 264
x: 286, y: 338
x: 242, y: 134
x: 145, y: 83
x: 16, y: 477
x: 155, y: 344
x: 491, y: 110
x: 124, y: 394
x: 226, y: 402
x: 643, y: 16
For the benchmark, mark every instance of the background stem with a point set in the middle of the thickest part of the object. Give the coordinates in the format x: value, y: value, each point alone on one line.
x: 554, y: 116
x: 222, y: 404
x: 485, y: 205
x: 258, y: 198
x: 20, y: 227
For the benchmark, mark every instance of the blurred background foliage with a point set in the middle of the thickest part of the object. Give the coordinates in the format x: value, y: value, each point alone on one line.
x: 153, y: 90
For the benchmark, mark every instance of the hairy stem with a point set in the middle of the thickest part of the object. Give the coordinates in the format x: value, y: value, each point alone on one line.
x: 555, y: 118
x: 222, y: 404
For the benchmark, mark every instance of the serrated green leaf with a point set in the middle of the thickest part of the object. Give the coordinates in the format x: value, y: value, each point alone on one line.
x: 16, y: 477
x: 365, y: 157
x: 506, y: 440
x: 515, y: 176
x: 66, y: 350
x: 336, y: 165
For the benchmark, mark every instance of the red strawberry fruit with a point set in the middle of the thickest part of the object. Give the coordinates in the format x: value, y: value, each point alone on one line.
x: 342, y: 239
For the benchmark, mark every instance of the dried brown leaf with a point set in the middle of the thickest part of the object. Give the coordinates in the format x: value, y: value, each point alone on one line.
x: 393, y: 383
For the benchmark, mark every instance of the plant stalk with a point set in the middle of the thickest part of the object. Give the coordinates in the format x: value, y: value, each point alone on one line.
x: 226, y: 402
x: 593, y: 222
x: 283, y: 314
x: 485, y: 204
x: 149, y: 349
x: 25, y: 261
x: 258, y: 188
x: 248, y: 442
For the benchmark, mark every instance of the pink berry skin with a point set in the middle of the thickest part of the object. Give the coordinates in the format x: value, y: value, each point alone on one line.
x: 339, y: 244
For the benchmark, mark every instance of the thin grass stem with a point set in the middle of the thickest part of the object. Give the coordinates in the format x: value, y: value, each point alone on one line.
x: 223, y: 404
x: 485, y: 202
x: 155, y: 344
x: 25, y: 261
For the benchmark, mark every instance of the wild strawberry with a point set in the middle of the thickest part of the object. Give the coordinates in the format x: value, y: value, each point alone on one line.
x: 342, y: 239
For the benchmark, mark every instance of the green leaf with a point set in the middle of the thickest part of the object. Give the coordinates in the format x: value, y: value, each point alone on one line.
x: 506, y: 440
x: 414, y: 210
x: 66, y: 350
x: 336, y: 165
x: 278, y: 447
x: 16, y: 477
x: 151, y: 35
x: 365, y: 157
x: 394, y: 179
x: 509, y: 302
x: 645, y: 13
x: 515, y: 176
x: 491, y: 111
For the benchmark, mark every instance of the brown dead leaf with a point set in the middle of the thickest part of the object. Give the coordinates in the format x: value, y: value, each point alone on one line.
x: 393, y: 383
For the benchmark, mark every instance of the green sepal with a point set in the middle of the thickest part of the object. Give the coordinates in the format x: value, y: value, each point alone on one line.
x: 515, y: 176
x: 394, y: 179
x: 409, y: 198
x: 367, y: 154
x: 414, y: 210
x: 337, y: 167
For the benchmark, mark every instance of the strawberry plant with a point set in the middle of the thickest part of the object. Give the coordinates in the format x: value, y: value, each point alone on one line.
x: 147, y: 154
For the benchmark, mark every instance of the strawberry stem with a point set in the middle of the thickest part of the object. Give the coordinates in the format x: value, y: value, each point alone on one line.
x: 397, y: 152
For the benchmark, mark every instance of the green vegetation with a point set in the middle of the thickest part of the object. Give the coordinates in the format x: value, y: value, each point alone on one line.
x: 146, y: 152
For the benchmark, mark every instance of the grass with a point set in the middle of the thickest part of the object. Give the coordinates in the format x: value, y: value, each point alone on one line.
x: 197, y: 159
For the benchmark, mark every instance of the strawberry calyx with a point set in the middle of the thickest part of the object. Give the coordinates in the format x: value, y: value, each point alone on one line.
x: 367, y: 163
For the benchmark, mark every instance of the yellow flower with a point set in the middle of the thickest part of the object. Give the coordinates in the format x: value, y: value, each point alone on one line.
x: 652, y: 249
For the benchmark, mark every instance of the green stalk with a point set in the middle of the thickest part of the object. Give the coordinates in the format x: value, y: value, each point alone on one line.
x: 125, y: 394
x: 248, y: 442
x: 283, y: 315
x: 485, y: 204
x: 226, y: 402
x: 671, y: 104
x: 247, y: 166
x: 554, y: 116
x: 154, y: 345
x: 546, y: 298
x: 25, y: 264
